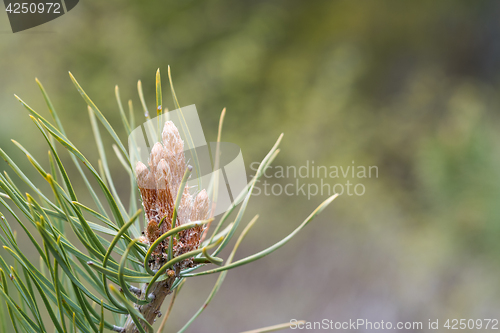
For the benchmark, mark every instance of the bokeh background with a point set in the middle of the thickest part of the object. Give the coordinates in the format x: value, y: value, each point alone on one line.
x: 409, y: 87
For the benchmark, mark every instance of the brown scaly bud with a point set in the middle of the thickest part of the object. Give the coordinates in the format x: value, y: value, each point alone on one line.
x: 165, y: 201
x: 159, y: 186
x: 174, y: 150
x: 185, y: 207
x: 199, y: 212
x: 200, y: 206
x: 152, y: 231
x: 172, y: 139
x: 157, y: 154
x: 148, y: 190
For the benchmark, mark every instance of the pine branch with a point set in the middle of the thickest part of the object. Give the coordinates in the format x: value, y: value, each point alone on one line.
x: 73, y: 279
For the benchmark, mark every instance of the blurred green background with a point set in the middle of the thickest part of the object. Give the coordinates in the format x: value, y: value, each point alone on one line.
x: 409, y: 87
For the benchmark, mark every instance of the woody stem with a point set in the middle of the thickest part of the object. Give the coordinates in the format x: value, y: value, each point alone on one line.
x: 150, y: 311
